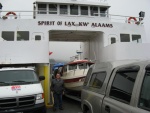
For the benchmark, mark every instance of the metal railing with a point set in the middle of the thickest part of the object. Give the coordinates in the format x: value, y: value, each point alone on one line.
x: 38, y: 13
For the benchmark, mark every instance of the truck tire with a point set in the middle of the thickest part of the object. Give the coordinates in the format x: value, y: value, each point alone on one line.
x: 86, y: 110
x: 44, y: 111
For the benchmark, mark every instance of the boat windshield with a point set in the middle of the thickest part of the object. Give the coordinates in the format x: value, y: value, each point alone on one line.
x: 82, y: 66
x: 72, y: 66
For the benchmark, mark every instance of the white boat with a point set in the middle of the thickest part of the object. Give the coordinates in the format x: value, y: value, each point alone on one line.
x: 74, y: 74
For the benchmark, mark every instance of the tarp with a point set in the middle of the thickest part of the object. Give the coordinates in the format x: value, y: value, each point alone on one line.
x: 57, y: 65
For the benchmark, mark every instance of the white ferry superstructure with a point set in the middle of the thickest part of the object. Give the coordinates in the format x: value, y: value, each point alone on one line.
x: 26, y: 41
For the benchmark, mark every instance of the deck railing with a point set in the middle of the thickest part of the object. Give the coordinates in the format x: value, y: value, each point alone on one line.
x: 41, y: 13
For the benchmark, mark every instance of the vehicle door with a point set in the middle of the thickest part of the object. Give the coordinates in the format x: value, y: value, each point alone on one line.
x: 142, y: 101
x: 96, y: 89
x: 120, y: 88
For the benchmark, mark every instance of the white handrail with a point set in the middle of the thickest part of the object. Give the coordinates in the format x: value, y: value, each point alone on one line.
x: 100, y: 15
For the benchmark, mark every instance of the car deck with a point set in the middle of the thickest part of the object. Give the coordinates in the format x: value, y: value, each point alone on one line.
x: 69, y: 105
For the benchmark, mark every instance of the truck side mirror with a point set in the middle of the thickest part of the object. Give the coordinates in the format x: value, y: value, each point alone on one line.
x: 41, y: 78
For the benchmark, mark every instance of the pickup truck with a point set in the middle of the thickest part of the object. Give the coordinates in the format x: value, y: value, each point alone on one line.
x: 114, y: 87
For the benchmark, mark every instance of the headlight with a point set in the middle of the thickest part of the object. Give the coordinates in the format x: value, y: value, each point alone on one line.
x: 40, y: 96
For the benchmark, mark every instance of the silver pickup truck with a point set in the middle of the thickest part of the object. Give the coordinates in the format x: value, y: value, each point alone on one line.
x: 115, y: 88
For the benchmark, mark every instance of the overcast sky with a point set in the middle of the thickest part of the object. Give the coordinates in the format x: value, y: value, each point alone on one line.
x: 62, y: 50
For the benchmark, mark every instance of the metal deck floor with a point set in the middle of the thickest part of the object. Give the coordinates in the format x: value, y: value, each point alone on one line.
x: 70, y: 106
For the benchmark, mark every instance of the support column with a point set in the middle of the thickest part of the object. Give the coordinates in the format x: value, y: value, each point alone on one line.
x: 44, y: 70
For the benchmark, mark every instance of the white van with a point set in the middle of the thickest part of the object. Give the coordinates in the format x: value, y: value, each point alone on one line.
x: 115, y: 88
x: 21, y: 91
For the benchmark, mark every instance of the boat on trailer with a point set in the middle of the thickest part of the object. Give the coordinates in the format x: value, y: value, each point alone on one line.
x: 74, y: 74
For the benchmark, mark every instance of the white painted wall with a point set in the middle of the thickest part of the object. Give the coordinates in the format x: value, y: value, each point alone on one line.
x: 23, y: 52
x: 97, y: 41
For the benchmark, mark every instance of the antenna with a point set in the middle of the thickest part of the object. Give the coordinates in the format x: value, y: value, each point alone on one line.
x: 95, y: 55
x: 79, y: 53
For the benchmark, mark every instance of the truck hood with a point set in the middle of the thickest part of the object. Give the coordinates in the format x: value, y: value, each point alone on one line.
x: 20, y: 90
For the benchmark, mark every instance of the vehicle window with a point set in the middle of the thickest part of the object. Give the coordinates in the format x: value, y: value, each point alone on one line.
x: 22, y: 35
x: 18, y: 75
x: 136, y: 38
x: 63, y: 9
x: 124, y: 37
x: 84, y: 10
x: 52, y: 8
x: 122, y: 85
x: 8, y: 35
x: 72, y: 66
x: 88, y: 76
x: 97, y: 79
x: 74, y: 9
x: 144, y: 100
x: 42, y: 9
x: 82, y: 66
x: 92, y: 79
x: 94, y: 11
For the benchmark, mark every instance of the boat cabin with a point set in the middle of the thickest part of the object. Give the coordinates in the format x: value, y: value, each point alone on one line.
x: 78, y: 65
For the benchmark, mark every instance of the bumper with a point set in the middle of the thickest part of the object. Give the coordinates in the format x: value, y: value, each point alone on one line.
x: 39, y: 108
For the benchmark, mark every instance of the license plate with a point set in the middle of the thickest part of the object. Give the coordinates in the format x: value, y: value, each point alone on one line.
x: 19, y: 112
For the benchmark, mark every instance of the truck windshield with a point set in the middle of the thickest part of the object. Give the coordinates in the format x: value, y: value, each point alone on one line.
x: 18, y: 76
x: 144, y: 101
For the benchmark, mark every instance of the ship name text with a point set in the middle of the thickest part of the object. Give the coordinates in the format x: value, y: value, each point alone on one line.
x: 69, y: 24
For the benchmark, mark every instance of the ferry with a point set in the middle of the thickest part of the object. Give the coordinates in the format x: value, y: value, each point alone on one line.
x: 24, y: 39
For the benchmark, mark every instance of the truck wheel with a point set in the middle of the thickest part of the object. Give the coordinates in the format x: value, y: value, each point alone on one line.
x: 87, y: 110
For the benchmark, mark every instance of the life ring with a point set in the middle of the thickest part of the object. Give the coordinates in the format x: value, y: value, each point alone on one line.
x: 7, y: 14
x: 130, y: 18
